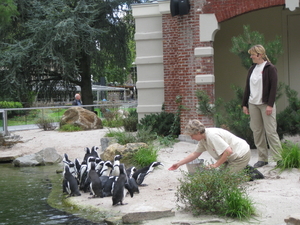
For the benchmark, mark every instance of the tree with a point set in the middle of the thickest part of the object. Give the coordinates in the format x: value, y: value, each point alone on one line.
x: 8, y: 9
x: 242, y: 43
x: 54, y: 44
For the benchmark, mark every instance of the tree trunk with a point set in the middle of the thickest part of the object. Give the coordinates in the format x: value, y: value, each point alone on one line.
x: 86, y: 83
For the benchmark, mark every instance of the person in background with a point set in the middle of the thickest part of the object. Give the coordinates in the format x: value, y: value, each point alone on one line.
x: 259, y: 102
x: 77, y: 100
x: 222, y: 145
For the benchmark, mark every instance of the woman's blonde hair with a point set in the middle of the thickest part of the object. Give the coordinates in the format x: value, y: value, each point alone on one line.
x: 259, y: 49
x: 194, y: 127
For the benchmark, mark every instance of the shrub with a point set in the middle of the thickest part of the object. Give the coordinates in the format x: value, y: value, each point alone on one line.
x: 289, y: 156
x: 122, y: 137
x: 70, y: 128
x: 131, y: 122
x: 215, y: 192
x: 288, y: 120
x: 12, y: 105
x: 144, y: 156
x: 45, y: 123
x: 161, y: 123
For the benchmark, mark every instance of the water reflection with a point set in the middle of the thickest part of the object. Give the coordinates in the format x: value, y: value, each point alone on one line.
x: 23, y: 198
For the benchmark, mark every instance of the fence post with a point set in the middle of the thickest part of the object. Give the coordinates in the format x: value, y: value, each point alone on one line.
x: 5, y: 123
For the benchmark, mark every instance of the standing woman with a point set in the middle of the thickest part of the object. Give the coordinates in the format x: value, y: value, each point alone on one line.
x: 259, y: 103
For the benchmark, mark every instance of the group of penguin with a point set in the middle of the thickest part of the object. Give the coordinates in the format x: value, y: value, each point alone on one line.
x: 102, y: 178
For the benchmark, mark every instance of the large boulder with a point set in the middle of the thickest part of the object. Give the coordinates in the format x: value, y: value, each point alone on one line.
x: 81, y: 117
x: 47, y: 156
x: 124, y: 150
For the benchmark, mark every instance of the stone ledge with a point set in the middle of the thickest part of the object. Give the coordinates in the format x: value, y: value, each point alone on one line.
x: 135, y: 217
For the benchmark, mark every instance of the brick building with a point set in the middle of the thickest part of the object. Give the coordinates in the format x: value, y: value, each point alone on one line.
x: 181, y: 54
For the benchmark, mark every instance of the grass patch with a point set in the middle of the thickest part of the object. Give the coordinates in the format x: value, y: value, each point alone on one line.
x: 289, y: 156
x: 214, y: 191
x: 144, y: 156
x: 70, y: 128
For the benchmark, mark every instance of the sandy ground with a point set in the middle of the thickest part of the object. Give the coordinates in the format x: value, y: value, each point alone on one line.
x: 275, y: 197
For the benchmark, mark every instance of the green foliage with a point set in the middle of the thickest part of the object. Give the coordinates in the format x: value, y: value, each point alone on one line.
x: 228, y: 115
x: 146, y: 135
x: 167, y: 141
x: 288, y: 120
x: 45, y: 123
x: 56, y: 43
x: 242, y: 43
x: 131, y: 122
x: 142, y: 135
x: 161, y: 123
x: 8, y: 9
x: 289, y: 156
x: 175, y: 128
x: 144, y: 156
x: 12, y: 105
x: 215, y: 192
x: 121, y: 137
x: 113, y: 123
x: 70, y: 128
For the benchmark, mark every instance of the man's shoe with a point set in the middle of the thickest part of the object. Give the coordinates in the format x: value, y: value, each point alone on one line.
x: 260, y: 164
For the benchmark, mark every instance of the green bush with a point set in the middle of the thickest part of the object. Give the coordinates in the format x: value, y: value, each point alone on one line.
x: 215, y: 191
x: 288, y: 120
x: 122, y: 137
x: 144, y: 156
x: 70, y: 128
x: 161, y: 123
x: 12, y: 105
x: 45, y: 123
x: 131, y: 122
x: 289, y: 156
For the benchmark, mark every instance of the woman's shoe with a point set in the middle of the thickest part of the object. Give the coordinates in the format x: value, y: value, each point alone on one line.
x: 260, y: 164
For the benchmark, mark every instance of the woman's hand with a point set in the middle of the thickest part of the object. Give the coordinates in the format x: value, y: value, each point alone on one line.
x: 245, y: 110
x: 269, y: 110
x: 174, y: 166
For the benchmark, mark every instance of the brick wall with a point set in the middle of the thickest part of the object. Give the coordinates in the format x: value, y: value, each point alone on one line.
x: 181, y: 37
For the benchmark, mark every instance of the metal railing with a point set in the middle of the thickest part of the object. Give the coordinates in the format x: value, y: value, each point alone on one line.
x: 4, y: 112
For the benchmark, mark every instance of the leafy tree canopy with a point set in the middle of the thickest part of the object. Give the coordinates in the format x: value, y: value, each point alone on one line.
x: 55, y: 43
x: 8, y: 9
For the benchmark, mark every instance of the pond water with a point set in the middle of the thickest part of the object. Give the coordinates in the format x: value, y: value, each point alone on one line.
x: 23, y: 198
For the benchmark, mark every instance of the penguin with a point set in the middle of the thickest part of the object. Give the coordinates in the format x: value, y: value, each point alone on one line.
x: 95, y: 182
x: 86, y: 183
x: 99, y: 167
x: 131, y: 181
x: 108, y: 185
x: 119, y: 187
x: 87, y: 153
x: 78, y: 166
x: 94, y: 151
x: 253, y: 173
x: 106, y: 169
x: 140, y: 174
x: 71, y: 166
x: 116, y: 170
x: 82, y: 174
x: 70, y: 183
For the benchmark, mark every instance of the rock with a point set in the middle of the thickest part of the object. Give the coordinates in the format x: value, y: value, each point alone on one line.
x: 135, y: 217
x: 81, y: 117
x: 124, y: 150
x: 113, y: 220
x: 293, y: 220
x: 106, y: 141
x: 47, y: 156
